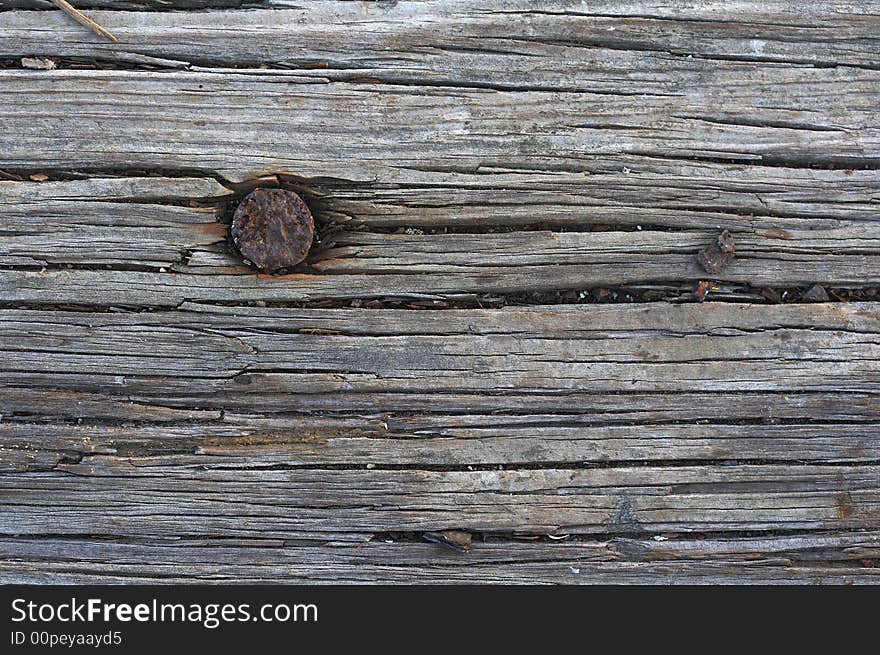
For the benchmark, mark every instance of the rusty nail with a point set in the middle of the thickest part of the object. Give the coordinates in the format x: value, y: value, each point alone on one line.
x: 273, y: 229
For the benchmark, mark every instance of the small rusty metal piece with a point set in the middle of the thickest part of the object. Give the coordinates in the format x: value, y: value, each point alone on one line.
x: 273, y: 229
x: 716, y: 256
x: 702, y: 289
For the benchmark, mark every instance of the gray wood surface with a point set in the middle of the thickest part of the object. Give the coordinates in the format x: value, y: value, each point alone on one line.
x: 480, y: 174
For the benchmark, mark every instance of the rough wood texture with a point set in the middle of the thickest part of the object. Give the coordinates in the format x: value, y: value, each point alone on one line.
x: 389, y: 133
x: 168, y: 415
x: 166, y: 252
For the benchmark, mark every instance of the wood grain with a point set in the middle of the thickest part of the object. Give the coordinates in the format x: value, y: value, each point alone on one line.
x: 818, y: 558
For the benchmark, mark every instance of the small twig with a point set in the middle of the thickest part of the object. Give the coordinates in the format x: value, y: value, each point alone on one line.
x: 82, y: 19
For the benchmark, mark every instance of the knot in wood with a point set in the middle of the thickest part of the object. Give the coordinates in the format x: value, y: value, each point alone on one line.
x: 273, y: 229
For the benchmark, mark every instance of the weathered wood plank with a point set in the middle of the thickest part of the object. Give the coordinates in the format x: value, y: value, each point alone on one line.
x: 659, y: 192
x: 215, y: 283
x: 616, y: 258
x: 652, y: 347
x: 813, y: 558
x: 164, y: 289
x: 303, y: 500
x: 494, y: 42
x: 655, y: 573
x: 157, y: 498
x: 145, y: 222
x: 101, y: 400
x: 245, y: 360
x: 830, y: 546
x: 706, y: 195
x: 378, y: 442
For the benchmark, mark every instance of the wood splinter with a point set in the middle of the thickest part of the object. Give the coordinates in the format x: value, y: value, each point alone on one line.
x: 82, y: 19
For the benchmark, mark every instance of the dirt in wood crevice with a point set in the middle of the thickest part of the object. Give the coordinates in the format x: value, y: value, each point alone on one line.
x: 413, y: 536
x: 585, y: 419
x: 501, y: 536
x: 673, y: 292
x: 352, y: 73
x: 544, y: 466
x: 676, y: 294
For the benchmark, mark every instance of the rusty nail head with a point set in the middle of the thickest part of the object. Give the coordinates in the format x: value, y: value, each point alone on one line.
x: 273, y: 229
